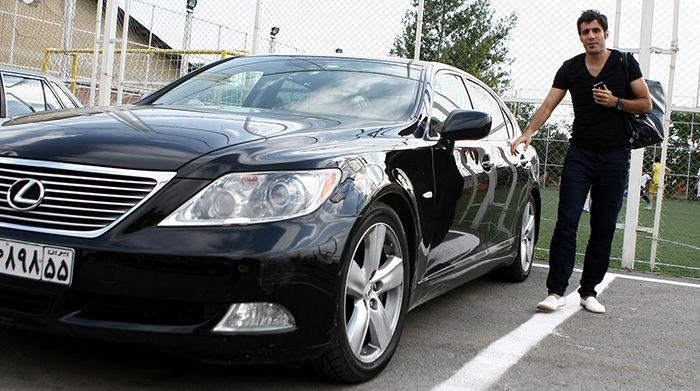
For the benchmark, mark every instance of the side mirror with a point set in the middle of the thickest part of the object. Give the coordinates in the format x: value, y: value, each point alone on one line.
x: 466, y: 125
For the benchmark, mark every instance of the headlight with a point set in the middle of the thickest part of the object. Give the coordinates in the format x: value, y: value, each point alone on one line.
x: 256, y: 197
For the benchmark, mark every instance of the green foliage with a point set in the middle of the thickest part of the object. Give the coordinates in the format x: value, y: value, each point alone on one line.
x: 683, y: 155
x: 685, y: 130
x: 464, y: 34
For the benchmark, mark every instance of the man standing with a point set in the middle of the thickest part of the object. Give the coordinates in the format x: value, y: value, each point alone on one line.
x: 597, y: 158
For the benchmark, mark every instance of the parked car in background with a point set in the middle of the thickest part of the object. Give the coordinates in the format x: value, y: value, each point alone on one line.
x: 265, y: 209
x: 26, y: 92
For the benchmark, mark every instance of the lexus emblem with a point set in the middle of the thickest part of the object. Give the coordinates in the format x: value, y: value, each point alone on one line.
x: 25, y: 194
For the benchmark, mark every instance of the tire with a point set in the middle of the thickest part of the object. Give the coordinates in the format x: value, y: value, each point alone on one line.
x: 372, y: 299
x: 519, y: 270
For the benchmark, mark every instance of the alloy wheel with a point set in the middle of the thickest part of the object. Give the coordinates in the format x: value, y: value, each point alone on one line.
x: 527, y: 236
x: 374, y: 292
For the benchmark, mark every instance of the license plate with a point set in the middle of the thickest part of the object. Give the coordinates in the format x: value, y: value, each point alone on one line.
x: 36, y: 261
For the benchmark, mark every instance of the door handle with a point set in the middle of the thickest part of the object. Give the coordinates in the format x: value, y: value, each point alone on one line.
x: 486, y: 163
x: 523, y: 160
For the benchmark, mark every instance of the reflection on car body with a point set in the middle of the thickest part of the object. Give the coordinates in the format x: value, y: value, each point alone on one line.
x: 265, y: 209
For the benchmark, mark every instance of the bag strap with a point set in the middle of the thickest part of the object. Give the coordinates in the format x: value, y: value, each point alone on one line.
x: 625, y: 64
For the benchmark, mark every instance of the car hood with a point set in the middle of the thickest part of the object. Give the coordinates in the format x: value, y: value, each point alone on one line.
x: 149, y: 137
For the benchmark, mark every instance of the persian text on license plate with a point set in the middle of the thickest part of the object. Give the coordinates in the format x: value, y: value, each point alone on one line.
x: 36, y: 261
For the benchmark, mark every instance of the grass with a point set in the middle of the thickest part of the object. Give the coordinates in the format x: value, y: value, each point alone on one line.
x: 678, y: 251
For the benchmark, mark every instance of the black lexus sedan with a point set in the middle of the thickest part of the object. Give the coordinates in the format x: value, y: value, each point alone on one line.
x: 264, y: 209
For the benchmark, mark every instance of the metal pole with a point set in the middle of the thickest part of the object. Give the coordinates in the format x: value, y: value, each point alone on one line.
x: 184, y: 64
x: 150, y: 43
x: 632, y: 213
x: 123, y: 54
x: 256, y: 29
x: 107, y: 68
x: 697, y: 90
x: 616, y: 30
x: 67, y: 34
x: 419, y: 30
x: 13, y: 40
x: 95, y: 52
x: 664, y: 145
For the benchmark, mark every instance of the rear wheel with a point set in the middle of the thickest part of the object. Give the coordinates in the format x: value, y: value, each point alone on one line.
x: 372, y: 301
x: 519, y: 270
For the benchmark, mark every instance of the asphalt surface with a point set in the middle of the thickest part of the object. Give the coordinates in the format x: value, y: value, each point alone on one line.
x: 648, y: 340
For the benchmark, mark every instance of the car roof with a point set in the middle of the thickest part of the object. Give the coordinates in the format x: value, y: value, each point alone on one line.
x: 393, y: 60
x: 30, y: 72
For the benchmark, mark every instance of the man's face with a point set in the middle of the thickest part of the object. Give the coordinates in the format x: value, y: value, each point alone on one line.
x: 593, y: 37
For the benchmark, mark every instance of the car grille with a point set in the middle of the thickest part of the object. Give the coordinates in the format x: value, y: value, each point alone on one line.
x: 79, y: 200
x: 146, y: 311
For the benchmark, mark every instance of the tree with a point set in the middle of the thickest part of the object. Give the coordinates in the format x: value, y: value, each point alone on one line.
x: 462, y: 33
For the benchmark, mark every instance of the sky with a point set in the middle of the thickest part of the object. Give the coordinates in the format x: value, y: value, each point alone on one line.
x: 544, y: 36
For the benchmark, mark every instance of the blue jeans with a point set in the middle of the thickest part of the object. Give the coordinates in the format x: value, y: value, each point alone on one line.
x: 604, y: 173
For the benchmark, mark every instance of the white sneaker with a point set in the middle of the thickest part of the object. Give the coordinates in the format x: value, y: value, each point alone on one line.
x: 551, y: 303
x: 592, y: 304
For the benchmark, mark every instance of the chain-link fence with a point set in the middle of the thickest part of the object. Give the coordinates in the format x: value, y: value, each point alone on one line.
x: 526, y: 43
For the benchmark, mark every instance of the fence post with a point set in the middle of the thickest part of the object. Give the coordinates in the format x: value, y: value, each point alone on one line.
x: 67, y: 34
x: 419, y: 30
x: 123, y: 53
x: 632, y: 213
x: 107, y: 68
x: 664, y: 145
x: 45, y: 65
x: 74, y: 72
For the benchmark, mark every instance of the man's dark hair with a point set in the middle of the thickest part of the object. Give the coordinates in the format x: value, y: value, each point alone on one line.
x: 590, y: 15
x: 657, y: 160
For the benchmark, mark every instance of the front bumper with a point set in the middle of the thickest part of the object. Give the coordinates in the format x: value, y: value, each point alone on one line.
x: 169, y: 287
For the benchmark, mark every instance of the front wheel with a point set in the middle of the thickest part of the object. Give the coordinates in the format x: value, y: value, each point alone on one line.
x: 372, y: 299
x: 519, y: 270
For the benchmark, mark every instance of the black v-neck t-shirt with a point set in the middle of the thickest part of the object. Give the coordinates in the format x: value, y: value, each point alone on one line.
x: 597, y: 127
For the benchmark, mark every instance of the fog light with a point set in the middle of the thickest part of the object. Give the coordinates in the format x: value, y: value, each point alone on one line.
x: 255, y: 318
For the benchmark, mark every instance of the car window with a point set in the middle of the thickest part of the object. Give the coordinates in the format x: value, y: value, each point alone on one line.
x: 52, y: 102
x: 484, y: 101
x: 322, y: 87
x: 23, y: 95
x: 450, y: 94
x: 65, y: 99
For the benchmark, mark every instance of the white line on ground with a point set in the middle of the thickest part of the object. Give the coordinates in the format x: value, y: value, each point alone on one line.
x: 656, y: 280
x: 490, y: 364
x: 636, y: 260
x: 638, y: 278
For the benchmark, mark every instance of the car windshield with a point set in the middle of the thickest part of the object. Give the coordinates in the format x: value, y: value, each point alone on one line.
x: 312, y: 86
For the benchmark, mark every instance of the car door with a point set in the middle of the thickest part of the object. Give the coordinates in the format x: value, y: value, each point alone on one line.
x: 511, y: 176
x: 464, y: 182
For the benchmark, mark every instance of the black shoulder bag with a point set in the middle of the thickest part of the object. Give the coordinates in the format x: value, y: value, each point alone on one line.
x: 646, y: 129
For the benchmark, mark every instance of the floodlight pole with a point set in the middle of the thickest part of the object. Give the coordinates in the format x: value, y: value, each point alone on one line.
x: 629, y: 244
x: 256, y: 29
x: 186, y: 39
